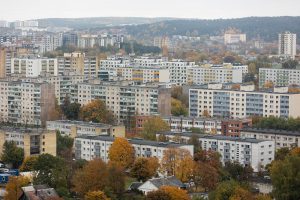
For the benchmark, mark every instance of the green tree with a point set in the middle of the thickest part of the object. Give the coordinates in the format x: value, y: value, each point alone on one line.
x: 64, y: 144
x: 285, y: 175
x: 51, y: 171
x: 238, y: 172
x: 194, y: 140
x: 96, y: 111
x: 152, y: 126
x: 28, y: 164
x: 282, y: 153
x: 70, y: 110
x: 290, y: 64
x: 12, y: 154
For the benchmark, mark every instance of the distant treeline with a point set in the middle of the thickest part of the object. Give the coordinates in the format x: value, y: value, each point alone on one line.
x: 266, y: 28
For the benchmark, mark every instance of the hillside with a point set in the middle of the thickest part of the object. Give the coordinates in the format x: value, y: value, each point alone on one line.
x: 266, y: 28
x: 97, y: 22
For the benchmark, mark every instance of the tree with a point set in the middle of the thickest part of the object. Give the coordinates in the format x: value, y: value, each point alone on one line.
x: 96, y: 111
x: 152, y: 126
x: 51, y: 171
x: 282, y: 153
x: 56, y: 114
x: 268, y: 84
x: 178, y: 109
x: 238, y: 172
x: 158, y: 195
x: 28, y: 164
x: 144, y: 168
x: 96, y: 195
x: 177, y: 94
x: 205, y: 113
x: 194, y: 140
x: 286, y: 178
x: 290, y: 64
x: 121, y: 153
x: 116, y: 179
x: 70, y: 110
x: 205, y: 175
x: 12, y: 154
x: 92, y: 177
x: 177, y: 162
x: 225, y: 191
x: 241, y: 194
x: 64, y: 145
x: 13, y: 187
x: 175, y: 193
x: 209, y: 157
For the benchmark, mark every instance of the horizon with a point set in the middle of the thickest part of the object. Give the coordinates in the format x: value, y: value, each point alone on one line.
x: 193, y: 9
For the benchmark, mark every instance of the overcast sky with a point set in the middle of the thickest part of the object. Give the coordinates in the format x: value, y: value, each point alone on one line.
x: 204, y: 9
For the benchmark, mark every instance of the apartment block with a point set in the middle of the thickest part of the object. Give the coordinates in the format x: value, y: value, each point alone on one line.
x: 91, y: 147
x: 33, y: 67
x: 25, y: 102
x: 226, y: 73
x: 33, y: 141
x: 287, y: 44
x: 79, y: 63
x: 248, y: 152
x: 282, y: 138
x: 126, y: 99
x: 81, y: 128
x: 233, y: 127
x: 183, y: 124
x: 114, y: 62
x: 216, y: 101
x: 148, y: 61
x: 279, y: 77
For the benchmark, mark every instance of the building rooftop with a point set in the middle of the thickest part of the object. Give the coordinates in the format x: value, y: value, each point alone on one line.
x: 136, y: 141
x: 169, y: 181
x: 213, y: 137
x: 22, y: 130
x: 81, y: 123
x: 271, y: 131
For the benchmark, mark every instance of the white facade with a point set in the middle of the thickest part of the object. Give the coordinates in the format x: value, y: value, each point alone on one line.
x: 242, y: 104
x: 208, y: 125
x: 281, y: 138
x: 89, y: 148
x: 287, y: 44
x: 248, y: 152
x: 232, y: 38
x: 279, y: 77
x: 33, y: 67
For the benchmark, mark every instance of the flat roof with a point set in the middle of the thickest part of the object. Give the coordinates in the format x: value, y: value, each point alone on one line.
x: 271, y: 131
x: 134, y: 141
x: 213, y: 137
x: 81, y: 123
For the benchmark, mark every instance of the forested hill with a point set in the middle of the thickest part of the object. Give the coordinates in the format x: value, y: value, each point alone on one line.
x: 265, y: 27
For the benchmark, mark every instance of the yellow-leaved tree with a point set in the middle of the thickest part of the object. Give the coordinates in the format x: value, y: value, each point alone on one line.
x: 121, y: 153
x: 152, y: 126
x: 13, y: 187
x: 96, y: 195
x: 175, y: 193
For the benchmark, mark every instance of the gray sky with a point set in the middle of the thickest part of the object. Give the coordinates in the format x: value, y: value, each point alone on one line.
x: 205, y: 9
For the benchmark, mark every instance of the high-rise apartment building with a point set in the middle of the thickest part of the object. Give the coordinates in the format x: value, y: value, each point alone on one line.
x: 287, y: 44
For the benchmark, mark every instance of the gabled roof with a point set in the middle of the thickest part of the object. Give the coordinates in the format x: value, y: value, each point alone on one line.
x: 168, y: 181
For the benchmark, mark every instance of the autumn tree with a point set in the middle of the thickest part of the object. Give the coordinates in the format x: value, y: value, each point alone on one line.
x: 144, y: 168
x: 121, y: 153
x: 286, y: 178
x: 13, y: 187
x: 178, y: 94
x: 56, y: 113
x: 12, y: 154
x: 230, y: 190
x: 268, y: 84
x: 281, y: 153
x: 152, y: 126
x: 116, y: 180
x: 96, y: 195
x: 177, y: 108
x: 158, y: 195
x: 92, y: 177
x: 205, y: 175
x: 96, y: 111
x: 209, y: 157
x: 28, y: 164
x: 175, y: 193
x: 177, y: 162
